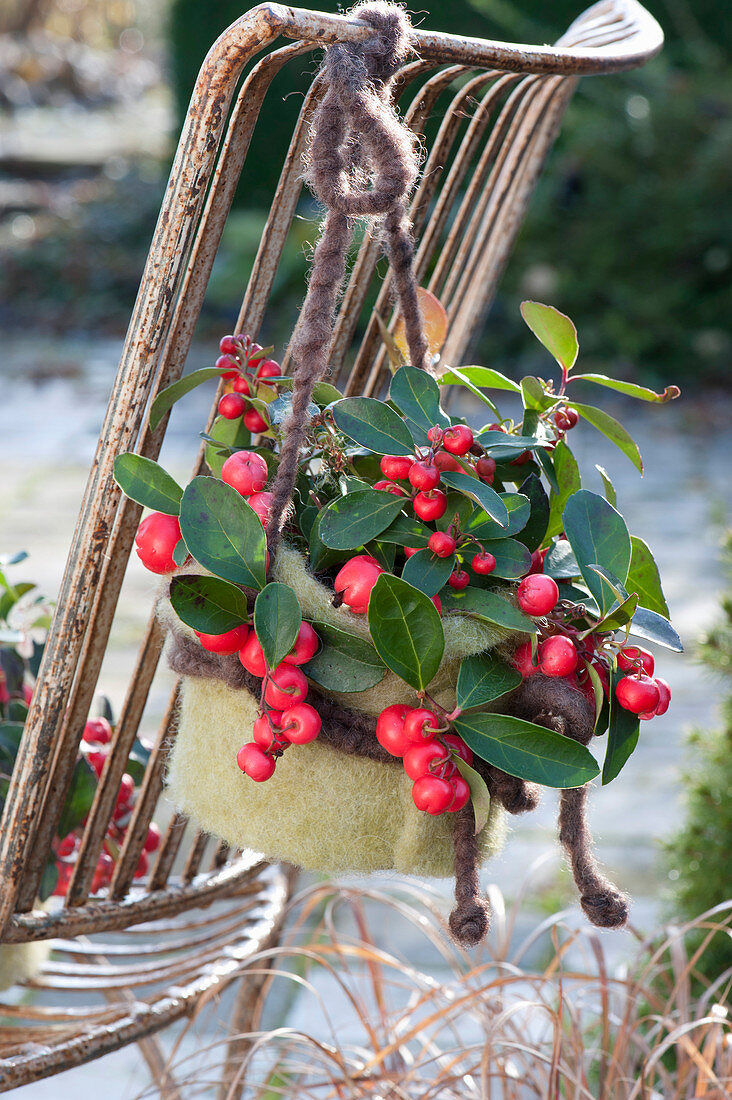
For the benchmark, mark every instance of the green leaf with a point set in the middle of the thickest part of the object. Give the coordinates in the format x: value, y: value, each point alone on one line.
x: 416, y: 393
x: 345, y: 662
x: 641, y: 392
x: 512, y: 559
x: 79, y: 799
x: 489, y: 606
x: 598, y: 536
x: 532, y: 534
x: 479, y: 376
x: 277, y: 619
x: 545, y: 461
x: 482, y: 494
x: 597, y: 688
x: 503, y: 446
x: 483, y: 678
x: 566, y: 471
x: 527, y: 751
x: 481, y: 528
x: 168, y: 397
x: 374, y: 425
x: 406, y: 630
x: 325, y: 394
x: 623, y: 731
x: 208, y: 604
x: 560, y: 563
x: 223, y: 533
x: 9, y: 598
x: 479, y: 795
x: 614, y: 431
x: 406, y: 531
x: 355, y: 519
x: 143, y: 480
x: 655, y: 628
x: 232, y: 435
x: 535, y: 396
x: 554, y: 330
x: 610, y: 494
x: 643, y: 578
x: 49, y: 880
x: 459, y: 377
x: 321, y: 556
x: 137, y: 760
x: 180, y: 552
x: 13, y: 559
x: 10, y: 735
x: 427, y: 572
x: 619, y: 616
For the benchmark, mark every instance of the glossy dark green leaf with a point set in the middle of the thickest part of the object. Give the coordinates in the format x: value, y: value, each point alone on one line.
x: 344, y: 662
x: 619, y: 616
x: 527, y: 751
x: 644, y: 578
x: 306, y: 518
x: 598, y: 536
x: 208, y: 604
x: 488, y: 606
x: 79, y: 798
x: 321, y: 556
x: 406, y: 531
x: 566, y: 472
x: 277, y: 618
x: 633, y: 390
x: 143, y: 480
x: 512, y: 559
x: 460, y: 506
x: 10, y: 735
x: 623, y: 731
x: 505, y: 447
x: 480, y: 377
x: 228, y: 436
x: 374, y: 425
x: 223, y: 533
x: 137, y: 760
x: 479, y: 794
x: 49, y: 880
x: 482, y: 528
x: 482, y: 494
x: 607, y: 485
x: 614, y: 431
x: 427, y: 572
x: 417, y: 395
x: 655, y: 628
x: 554, y: 330
x: 560, y: 563
x: 483, y: 678
x: 168, y: 397
x: 406, y: 630
x: 180, y: 552
x: 357, y: 518
x: 383, y: 552
x: 544, y: 459
x: 532, y: 534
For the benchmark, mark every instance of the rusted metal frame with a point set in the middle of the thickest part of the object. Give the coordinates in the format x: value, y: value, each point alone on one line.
x: 195, y: 855
x: 147, y: 798
x: 140, y: 907
x: 490, y: 265
x: 167, y: 852
x: 145, y: 1018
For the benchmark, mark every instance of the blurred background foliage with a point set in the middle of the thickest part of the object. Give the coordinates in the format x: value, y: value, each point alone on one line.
x: 630, y: 230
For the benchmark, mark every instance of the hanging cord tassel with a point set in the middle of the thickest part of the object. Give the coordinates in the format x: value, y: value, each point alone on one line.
x: 363, y: 163
x: 470, y: 919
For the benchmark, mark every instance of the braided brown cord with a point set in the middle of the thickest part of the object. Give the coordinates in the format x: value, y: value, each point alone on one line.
x: 363, y: 163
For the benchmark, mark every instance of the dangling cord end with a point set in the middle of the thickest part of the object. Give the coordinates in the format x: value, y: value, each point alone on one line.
x: 603, y: 904
x: 470, y: 919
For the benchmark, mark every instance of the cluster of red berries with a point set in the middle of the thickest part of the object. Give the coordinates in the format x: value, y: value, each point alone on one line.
x: 428, y: 750
x: 245, y: 367
x: 285, y: 718
x: 95, y: 748
x: 562, y: 653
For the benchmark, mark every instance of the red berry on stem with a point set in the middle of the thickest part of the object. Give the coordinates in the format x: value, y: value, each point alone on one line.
x: 442, y: 544
x: 228, y: 345
x: 445, y: 461
x: 252, y: 657
x: 430, y: 505
x: 424, y: 475
x: 98, y: 731
x: 126, y: 790
x: 285, y: 686
x: 152, y: 840
x: 461, y: 794
x: 664, y: 693
x: 96, y: 761
x: 537, y: 562
x: 267, y: 369
x: 396, y: 467
x: 305, y: 647
x: 485, y: 468
x: 432, y: 794
x: 558, y: 656
x: 355, y: 580
x: 389, y: 487
x: 410, y: 551
x: 458, y: 746
x: 241, y: 385
x: 232, y: 406
x: 458, y: 440
x: 418, y: 759
x: 255, y: 763
x: 632, y: 657
x: 483, y: 563
x: 156, y: 539
x: 266, y: 730
x: 437, y: 602
x: 66, y: 846
x: 435, y: 434
x: 459, y: 579
x: 638, y: 694
x: 522, y: 660
x: 246, y: 472
x: 254, y: 421
x: 421, y: 725
x: 228, y: 364
x: 538, y: 594
x: 390, y: 729
x: 301, y: 723
x: 262, y: 504
x: 229, y: 642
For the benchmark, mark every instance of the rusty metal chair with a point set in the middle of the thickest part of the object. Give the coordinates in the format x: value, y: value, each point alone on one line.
x: 499, y: 108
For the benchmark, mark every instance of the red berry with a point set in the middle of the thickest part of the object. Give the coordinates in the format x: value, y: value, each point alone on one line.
x: 459, y: 579
x: 430, y: 505
x: 227, y: 364
x: 98, y: 731
x: 96, y: 761
x: 421, y: 725
x: 229, y: 642
x: 458, y: 440
x: 232, y: 406
x: 266, y: 730
x: 389, y: 487
x: 458, y: 746
x: 152, y: 840
x: 255, y: 763
x: 142, y: 865
x: 285, y: 686
x: 355, y: 580
x: 483, y: 563
x: 390, y: 729
x: 565, y: 419
x: 228, y: 345
x: 266, y: 370
x: 537, y: 562
x: 558, y: 656
x: 664, y: 692
x: 485, y: 468
x: 437, y: 602
x: 435, y: 434
x: 301, y: 723
x: 253, y: 420
x: 631, y: 657
x: 445, y: 461
x: 538, y: 594
x: 102, y: 873
x: 442, y: 544
x: 410, y: 551
x: 252, y: 657
x: 418, y: 759
x: 67, y: 846
x: 638, y: 694
x: 241, y: 385
x: 262, y: 504
x: 305, y: 647
x: 524, y: 457
x: 461, y: 793
x: 522, y: 660
x: 424, y: 475
x: 432, y: 794
x: 496, y: 428
x: 156, y: 539
x: 246, y: 472
x: 396, y: 467
x: 126, y: 790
